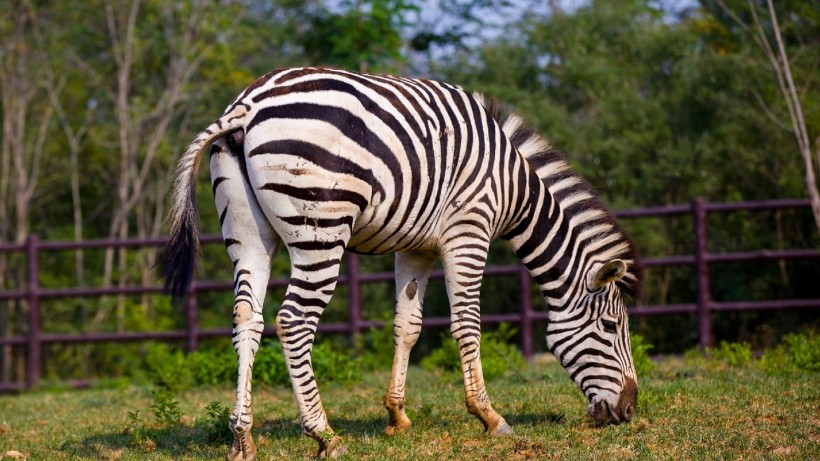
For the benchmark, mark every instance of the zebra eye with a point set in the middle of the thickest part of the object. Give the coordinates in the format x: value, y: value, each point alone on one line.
x: 609, y: 326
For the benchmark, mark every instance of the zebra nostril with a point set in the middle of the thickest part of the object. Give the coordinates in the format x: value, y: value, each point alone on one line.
x: 629, y: 412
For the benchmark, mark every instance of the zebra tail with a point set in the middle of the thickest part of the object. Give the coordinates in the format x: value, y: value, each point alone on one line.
x: 179, y: 255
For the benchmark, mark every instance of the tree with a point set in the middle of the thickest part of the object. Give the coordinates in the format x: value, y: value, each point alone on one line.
x: 365, y: 35
x: 775, y: 51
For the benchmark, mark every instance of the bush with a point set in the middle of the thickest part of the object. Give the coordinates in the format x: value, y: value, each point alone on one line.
x: 498, y: 356
x: 213, y: 366
x: 269, y: 365
x: 332, y: 362
x: 376, y: 346
x: 804, y: 350
x: 776, y: 361
x: 733, y: 354
x: 640, y: 355
x: 167, y: 368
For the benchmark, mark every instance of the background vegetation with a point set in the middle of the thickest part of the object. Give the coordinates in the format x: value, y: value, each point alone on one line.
x: 653, y: 102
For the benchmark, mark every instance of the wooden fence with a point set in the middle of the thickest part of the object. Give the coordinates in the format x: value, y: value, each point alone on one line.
x: 703, y: 306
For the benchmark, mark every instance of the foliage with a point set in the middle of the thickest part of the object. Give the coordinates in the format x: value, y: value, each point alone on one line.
x: 166, y: 408
x: 498, y: 356
x: 269, y: 365
x: 734, y: 354
x: 375, y: 350
x: 135, y: 427
x: 213, y: 366
x: 167, y: 368
x: 364, y: 35
x: 217, y: 420
x: 804, y: 350
x: 336, y: 362
x: 640, y: 355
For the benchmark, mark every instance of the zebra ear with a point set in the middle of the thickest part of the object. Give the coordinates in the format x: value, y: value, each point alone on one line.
x: 610, y: 272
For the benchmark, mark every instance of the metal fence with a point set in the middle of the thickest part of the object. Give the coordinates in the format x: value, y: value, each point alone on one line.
x: 524, y: 316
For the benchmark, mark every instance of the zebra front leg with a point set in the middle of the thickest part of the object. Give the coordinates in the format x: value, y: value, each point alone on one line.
x: 463, y: 281
x: 311, y: 285
x: 412, y: 273
x: 251, y: 243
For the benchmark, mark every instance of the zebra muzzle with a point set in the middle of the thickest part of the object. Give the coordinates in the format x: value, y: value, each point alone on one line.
x: 603, y: 412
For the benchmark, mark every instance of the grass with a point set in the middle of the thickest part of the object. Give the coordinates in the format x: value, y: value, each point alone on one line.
x: 688, y: 409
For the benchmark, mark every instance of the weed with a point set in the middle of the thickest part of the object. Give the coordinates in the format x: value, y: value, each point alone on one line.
x: 166, y: 408
x: 216, y: 422
x: 135, y: 428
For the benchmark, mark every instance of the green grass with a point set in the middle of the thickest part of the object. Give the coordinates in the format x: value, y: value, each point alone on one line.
x: 695, y: 408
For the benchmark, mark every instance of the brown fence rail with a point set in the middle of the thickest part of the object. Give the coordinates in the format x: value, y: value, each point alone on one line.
x: 525, y: 316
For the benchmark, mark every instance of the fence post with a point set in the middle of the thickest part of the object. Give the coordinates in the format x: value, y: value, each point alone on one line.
x: 354, y: 295
x: 526, y: 310
x: 702, y: 273
x: 33, y: 373
x: 192, y: 328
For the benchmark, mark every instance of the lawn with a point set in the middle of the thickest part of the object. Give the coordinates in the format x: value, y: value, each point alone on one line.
x: 688, y: 409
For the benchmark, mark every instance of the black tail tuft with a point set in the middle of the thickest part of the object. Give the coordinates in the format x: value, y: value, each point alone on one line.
x: 179, y: 256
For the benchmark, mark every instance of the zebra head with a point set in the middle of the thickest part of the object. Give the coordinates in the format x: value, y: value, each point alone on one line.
x: 590, y: 337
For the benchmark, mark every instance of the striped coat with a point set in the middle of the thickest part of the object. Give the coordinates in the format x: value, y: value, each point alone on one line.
x: 325, y: 160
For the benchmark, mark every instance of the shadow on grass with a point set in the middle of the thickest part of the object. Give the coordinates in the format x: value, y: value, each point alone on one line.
x: 199, y: 440
x: 203, y: 440
x: 533, y: 419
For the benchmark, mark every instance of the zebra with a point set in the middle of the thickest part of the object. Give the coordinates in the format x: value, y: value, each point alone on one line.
x: 325, y: 160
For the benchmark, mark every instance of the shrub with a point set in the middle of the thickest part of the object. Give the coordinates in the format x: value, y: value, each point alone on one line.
x: 640, y: 355
x: 213, y: 366
x: 167, y: 368
x: 376, y: 346
x: 269, y: 365
x: 498, y: 356
x: 776, y: 361
x: 804, y: 350
x: 445, y: 357
x: 734, y: 354
x: 332, y: 362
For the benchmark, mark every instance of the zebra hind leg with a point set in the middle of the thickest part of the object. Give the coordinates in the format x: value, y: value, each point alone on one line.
x: 412, y: 273
x: 463, y: 279
x: 313, y: 279
x: 251, y: 244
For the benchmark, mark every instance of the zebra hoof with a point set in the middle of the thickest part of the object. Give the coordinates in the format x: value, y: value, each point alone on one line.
x: 398, y: 427
x: 502, y: 429
x: 242, y: 448
x: 333, y: 450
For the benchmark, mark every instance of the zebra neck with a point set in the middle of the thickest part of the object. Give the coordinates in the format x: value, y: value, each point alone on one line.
x: 567, y: 231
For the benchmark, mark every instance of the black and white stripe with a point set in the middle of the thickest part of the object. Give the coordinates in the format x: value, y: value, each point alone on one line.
x: 328, y: 160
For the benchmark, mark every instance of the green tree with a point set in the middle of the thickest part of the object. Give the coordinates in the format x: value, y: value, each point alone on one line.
x: 365, y: 35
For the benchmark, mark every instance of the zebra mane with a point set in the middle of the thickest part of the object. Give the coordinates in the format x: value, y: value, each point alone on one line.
x: 551, y: 165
